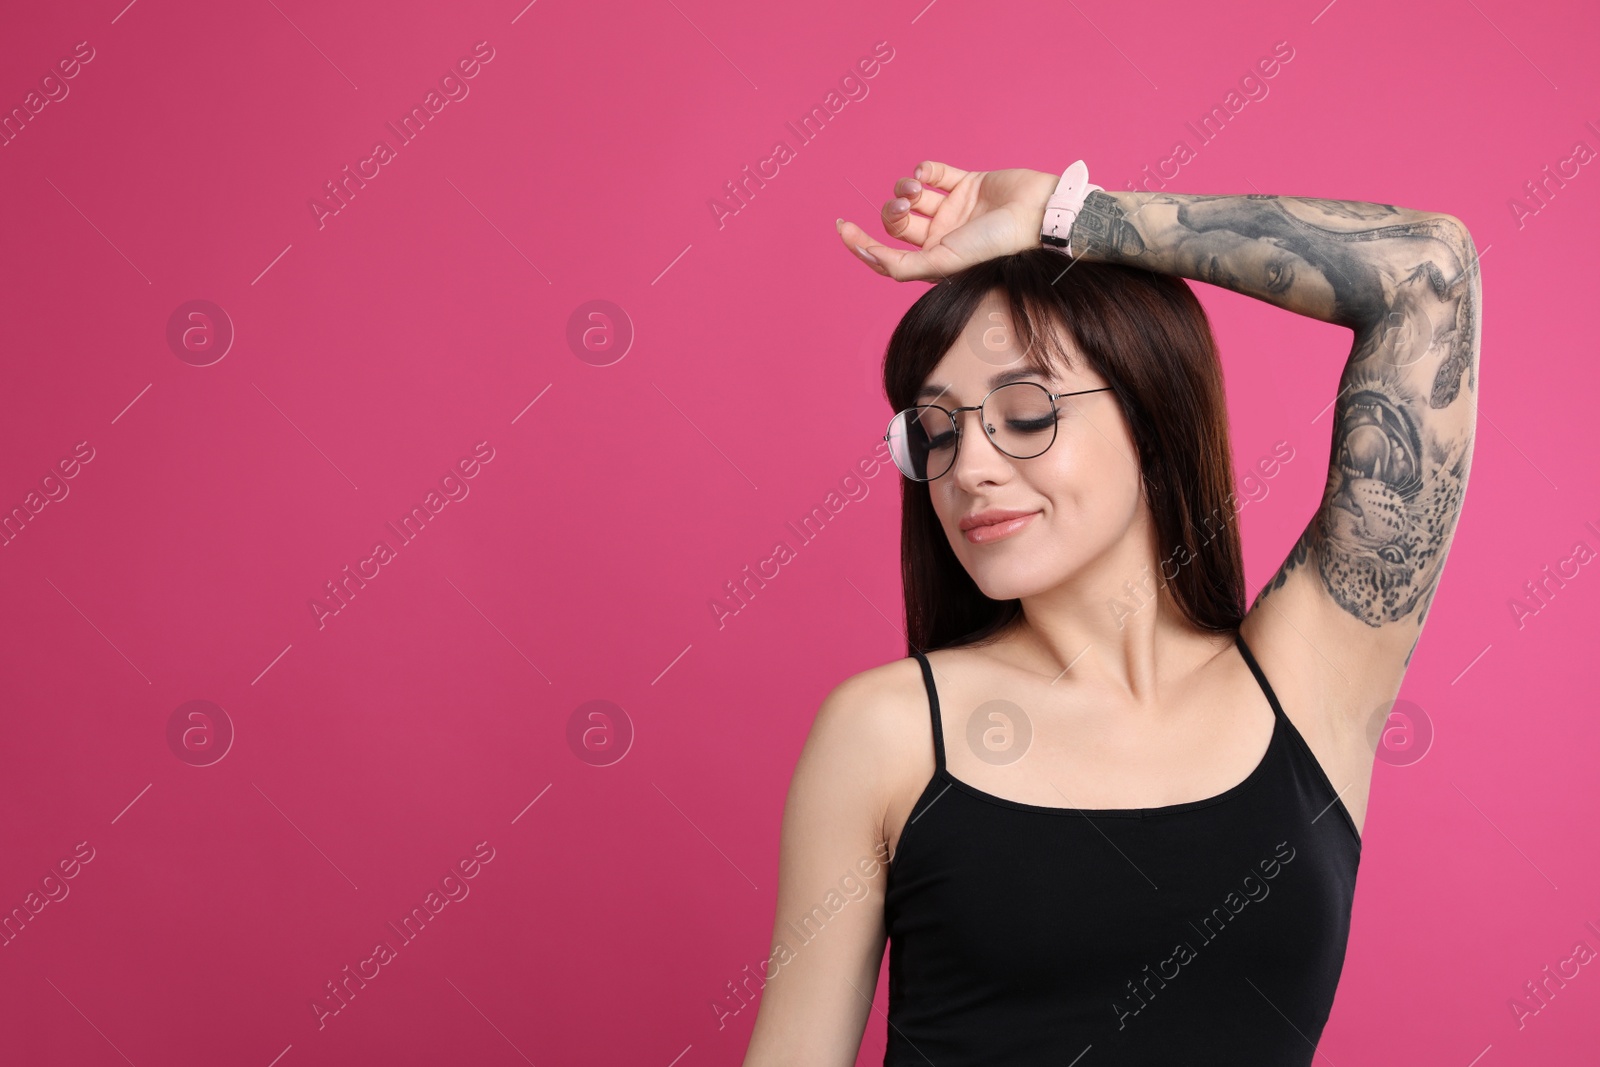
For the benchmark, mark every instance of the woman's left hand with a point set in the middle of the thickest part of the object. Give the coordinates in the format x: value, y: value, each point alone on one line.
x: 980, y: 215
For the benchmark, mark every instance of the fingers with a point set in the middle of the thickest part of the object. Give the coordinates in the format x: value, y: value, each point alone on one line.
x: 908, y: 214
x: 899, y: 221
x: 938, y: 175
x: 893, y: 262
x: 861, y: 246
x: 908, y: 217
x: 923, y: 198
x: 918, y: 265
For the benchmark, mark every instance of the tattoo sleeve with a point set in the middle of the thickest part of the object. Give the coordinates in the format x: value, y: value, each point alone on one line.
x: 1407, y: 284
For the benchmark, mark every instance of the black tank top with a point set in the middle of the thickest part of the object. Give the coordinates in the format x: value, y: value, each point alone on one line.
x: 1209, y: 932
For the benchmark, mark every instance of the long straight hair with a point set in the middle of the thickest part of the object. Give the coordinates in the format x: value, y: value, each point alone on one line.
x: 1149, y: 338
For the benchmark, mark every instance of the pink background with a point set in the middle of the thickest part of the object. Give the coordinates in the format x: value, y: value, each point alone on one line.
x: 373, y: 752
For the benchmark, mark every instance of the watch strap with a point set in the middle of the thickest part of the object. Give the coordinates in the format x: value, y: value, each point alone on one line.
x: 1063, y: 207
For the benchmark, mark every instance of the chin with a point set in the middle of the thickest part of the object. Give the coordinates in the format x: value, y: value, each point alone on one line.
x: 1002, y: 582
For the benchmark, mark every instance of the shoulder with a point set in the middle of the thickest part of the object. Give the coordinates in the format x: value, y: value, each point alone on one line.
x: 874, y: 712
x: 871, y: 737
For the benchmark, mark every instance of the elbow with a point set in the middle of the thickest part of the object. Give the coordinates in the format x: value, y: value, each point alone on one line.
x: 1460, y: 237
x: 1452, y: 233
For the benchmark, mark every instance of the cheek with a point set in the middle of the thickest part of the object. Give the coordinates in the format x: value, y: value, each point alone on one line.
x: 944, y: 502
x: 1095, y: 488
x: 1099, y: 495
x: 1104, y: 491
x: 1100, y: 462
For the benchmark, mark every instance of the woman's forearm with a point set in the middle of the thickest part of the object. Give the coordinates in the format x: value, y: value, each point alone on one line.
x: 1338, y: 261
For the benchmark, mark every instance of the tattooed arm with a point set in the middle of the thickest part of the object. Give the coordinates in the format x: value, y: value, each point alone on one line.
x: 1349, y: 601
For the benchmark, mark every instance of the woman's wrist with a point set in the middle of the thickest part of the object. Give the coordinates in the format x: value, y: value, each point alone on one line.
x: 1063, y: 207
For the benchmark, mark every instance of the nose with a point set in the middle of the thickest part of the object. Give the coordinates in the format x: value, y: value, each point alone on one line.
x: 977, y: 459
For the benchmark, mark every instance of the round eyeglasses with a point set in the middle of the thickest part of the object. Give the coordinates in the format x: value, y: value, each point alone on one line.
x: 923, y: 440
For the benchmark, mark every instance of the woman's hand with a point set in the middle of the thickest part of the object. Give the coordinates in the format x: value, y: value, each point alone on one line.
x: 980, y: 215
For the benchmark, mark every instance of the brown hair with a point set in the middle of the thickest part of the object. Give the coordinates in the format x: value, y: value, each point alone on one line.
x: 1149, y: 338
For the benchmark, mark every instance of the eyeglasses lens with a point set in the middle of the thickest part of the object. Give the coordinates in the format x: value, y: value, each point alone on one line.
x: 1019, y: 418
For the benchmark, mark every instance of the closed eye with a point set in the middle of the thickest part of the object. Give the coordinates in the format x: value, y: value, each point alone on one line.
x: 1039, y: 425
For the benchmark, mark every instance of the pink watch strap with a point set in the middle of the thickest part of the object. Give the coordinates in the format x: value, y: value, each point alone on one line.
x: 1064, y: 205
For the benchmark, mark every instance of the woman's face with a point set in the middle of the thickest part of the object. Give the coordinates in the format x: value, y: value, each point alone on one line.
x: 1080, y: 497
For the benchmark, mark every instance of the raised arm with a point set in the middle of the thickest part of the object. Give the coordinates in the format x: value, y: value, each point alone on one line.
x: 1343, y: 613
x: 1355, y: 588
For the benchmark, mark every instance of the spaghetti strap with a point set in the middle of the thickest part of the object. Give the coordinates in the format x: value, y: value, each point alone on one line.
x: 1261, y: 679
x: 1300, y: 750
x: 933, y: 706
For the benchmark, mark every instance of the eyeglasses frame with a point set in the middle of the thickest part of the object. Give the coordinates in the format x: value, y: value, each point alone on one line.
x: 978, y: 407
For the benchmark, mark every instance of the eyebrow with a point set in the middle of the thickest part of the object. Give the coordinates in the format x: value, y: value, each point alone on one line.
x: 935, y: 390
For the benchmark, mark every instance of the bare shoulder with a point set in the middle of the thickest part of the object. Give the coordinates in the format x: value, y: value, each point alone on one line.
x: 866, y: 723
x: 873, y: 705
x: 870, y: 742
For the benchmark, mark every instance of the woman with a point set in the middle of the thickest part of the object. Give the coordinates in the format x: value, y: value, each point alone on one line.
x: 1121, y: 813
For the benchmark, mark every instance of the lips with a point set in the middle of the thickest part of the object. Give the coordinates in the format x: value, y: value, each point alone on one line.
x: 1000, y: 525
x: 992, y: 517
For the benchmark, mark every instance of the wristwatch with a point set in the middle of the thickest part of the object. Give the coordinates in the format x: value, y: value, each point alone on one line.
x: 1063, y: 207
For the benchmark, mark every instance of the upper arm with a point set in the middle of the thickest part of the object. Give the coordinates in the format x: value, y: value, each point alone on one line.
x: 1345, y: 610
x: 828, y: 935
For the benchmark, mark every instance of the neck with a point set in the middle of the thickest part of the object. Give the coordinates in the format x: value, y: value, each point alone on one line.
x: 1114, y: 624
